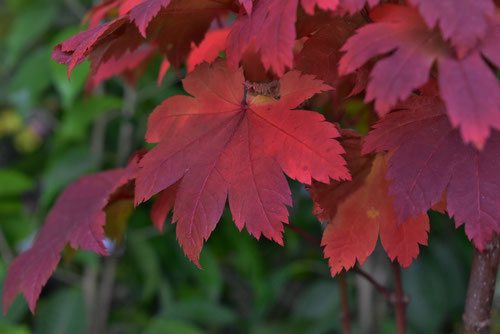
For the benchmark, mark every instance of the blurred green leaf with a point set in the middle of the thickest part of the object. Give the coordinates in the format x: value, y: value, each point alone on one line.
x: 77, y: 119
x: 146, y: 260
x: 30, y: 24
x: 13, y: 329
x: 62, y: 313
x: 13, y: 182
x: 320, y: 299
x: 33, y: 77
x: 63, y: 169
x: 165, y: 326
x: 202, y: 312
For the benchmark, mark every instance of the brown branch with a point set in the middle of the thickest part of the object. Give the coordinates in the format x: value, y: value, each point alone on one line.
x: 481, y: 288
x: 344, y: 300
x: 400, y: 301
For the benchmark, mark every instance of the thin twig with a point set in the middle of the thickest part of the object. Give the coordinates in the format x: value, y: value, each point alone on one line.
x: 305, y: 235
x: 344, y: 301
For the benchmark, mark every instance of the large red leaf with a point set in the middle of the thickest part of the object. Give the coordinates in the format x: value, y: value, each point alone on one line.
x: 220, y: 144
x: 465, y: 22
x: 429, y: 159
x: 468, y: 86
x: 359, y: 211
x: 77, y: 219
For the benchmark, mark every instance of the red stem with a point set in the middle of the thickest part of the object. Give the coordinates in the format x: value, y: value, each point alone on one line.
x: 344, y: 300
x: 400, y: 300
x: 305, y: 235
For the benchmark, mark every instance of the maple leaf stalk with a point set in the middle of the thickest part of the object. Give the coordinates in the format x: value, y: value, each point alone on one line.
x: 400, y: 301
x: 481, y: 288
x: 344, y: 300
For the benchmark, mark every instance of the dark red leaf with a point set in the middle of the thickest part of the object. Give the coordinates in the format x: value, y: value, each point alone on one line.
x: 77, y: 219
x: 429, y: 159
x: 469, y: 88
x: 465, y: 22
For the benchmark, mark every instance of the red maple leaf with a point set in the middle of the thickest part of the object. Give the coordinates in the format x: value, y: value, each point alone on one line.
x: 465, y: 22
x: 164, y: 66
x: 144, y: 12
x: 270, y: 30
x: 353, y: 6
x: 320, y: 53
x: 359, y: 211
x: 309, y: 5
x: 171, y: 26
x: 220, y: 143
x: 77, y: 219
x: 429, y: 159
x: 128, y: 65
x: 127, y: 5
x: 247, y: 4
x: 209, y: 49
x: 469, y: 88
x: 101, y: 11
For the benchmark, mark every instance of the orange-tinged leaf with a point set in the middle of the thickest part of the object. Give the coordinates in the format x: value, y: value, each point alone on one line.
x: 359, y: 211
